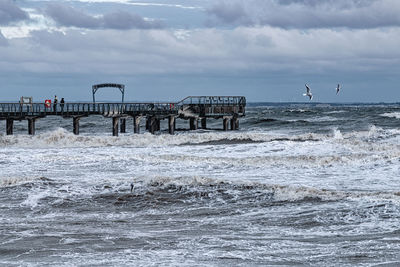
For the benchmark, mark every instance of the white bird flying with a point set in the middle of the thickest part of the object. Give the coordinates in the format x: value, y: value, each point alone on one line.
x: 338, y: 89
x: 308, y: 93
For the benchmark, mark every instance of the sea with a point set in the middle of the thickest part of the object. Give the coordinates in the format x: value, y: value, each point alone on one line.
x: 298, y: 184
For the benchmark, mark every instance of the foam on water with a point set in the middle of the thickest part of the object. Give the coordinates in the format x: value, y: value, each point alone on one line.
x: 60, y: 138
x: 297, y: 185
x: 392, y: 115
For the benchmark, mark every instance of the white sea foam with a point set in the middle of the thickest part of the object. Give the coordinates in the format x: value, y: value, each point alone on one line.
x: 61, y: 138
x: 391, y: 115
x: 203, y: 193
x: 337, y: 134
x: 14, y: 180
x: 279, y: 192
x: 34, y: 197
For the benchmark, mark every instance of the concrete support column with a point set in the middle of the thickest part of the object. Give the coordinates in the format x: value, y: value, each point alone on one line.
x: 75, y: 122
x: 193, y: 123
x: 115, y: 121
x: 123, y: 125
x: 171, y: 124
x: 9, y: 126
x: 152, y: 124
x: 203, y: 123
x: 158, y: 124
x: 233, y: 125
x: 136, y: 124
x: 226, y: 124
x: 236, y: 123
x: 31, y: 126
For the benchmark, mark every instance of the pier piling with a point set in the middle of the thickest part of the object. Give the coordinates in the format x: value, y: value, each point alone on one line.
x: 31, y: 126
x: 194, y: 123
x: 151, y: 124
x: 75, y: 122
x: 123, y: 125
x: 233, y: 124
x: 203, y: 123
x: 115, y: 121
x: 171, y: 124
x: 136, y: 124
x: 225, y: 123
x: 9, y: 126
x: 158, y: 124
x: 236, y: 122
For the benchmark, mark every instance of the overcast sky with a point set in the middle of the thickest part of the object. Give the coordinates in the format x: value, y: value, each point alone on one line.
x: 162, y: 50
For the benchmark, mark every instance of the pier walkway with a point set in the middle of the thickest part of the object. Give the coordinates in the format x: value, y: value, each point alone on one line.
x: 193, y: 108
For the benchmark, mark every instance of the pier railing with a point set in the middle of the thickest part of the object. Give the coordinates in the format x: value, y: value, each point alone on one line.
x: 73, y: 109
x: 213, y: 100
x: 199, y: 105
x: 213, y: 106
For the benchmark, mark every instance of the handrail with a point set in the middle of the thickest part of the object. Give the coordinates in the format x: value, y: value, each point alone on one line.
x: 213, y: 100
x: 228, y: 104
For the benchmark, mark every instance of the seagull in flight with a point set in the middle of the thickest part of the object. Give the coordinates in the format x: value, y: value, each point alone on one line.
x: 308, y: 93
x: 338, y: 89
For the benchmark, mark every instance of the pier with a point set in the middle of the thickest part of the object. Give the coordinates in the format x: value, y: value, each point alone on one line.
x: 195, y: 109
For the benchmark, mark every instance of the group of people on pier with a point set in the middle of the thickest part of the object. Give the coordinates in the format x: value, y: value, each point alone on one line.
x: 62, y: 102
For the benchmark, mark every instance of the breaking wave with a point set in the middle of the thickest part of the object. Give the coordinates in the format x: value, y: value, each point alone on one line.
x: 62, y: 138
x: 210, y: 187
x: 391, y: 115
x: 15, y: 181
x: 190, y: 190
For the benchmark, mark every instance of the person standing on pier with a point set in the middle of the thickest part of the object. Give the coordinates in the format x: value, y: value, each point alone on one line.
x: 55, y: 103
x: 62, y: 101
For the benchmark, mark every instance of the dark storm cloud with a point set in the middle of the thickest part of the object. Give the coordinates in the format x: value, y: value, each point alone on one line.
x: 305, y: 14
x: 230, y: 13
x: 265, y: 49
x: 70, y: 17
x: 9, y: 12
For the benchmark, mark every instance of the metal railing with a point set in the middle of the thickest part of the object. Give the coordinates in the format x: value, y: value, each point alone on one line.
x: 213, y: 100
x: 213, y: 106
x: 202, y: 104
x: 69, y: 109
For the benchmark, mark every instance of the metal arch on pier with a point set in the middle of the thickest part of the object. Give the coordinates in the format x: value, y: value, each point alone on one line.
x: 96, y: 87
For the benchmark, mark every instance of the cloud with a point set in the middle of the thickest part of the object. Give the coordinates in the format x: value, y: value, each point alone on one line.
x: 10, y: 13
x: 230, y: 13
x: 123, y: 20
x: 3, y: 40
x: 68, y: 16
x: 244, y: 49
x: 303, y: 14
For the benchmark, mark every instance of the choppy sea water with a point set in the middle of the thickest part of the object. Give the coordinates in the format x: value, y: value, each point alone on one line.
x: 297, y: 185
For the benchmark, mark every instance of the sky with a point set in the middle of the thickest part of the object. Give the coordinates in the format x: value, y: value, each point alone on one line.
x: 165, y: 50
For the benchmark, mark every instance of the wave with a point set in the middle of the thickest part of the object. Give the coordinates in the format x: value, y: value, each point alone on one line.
x: 395, y: 115
x: 195, y: 188
x: 271, y: 121
x: 62, y: 138
x: 16, y: 181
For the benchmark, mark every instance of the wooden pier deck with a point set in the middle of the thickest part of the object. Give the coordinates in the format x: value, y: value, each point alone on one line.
x: 193, y: 108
